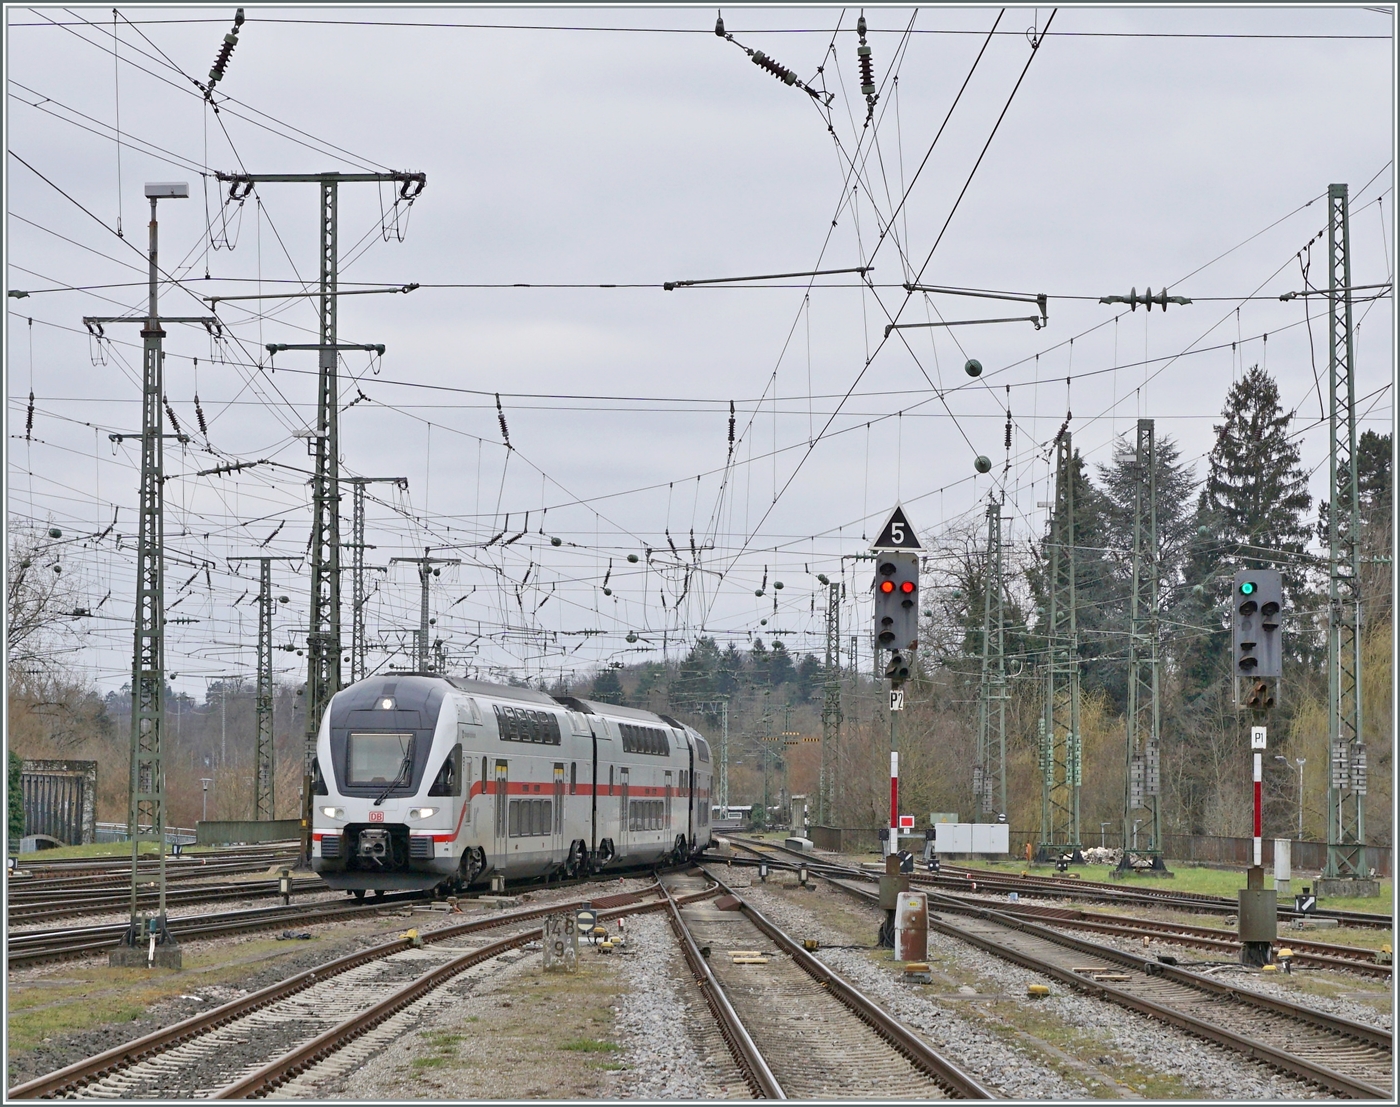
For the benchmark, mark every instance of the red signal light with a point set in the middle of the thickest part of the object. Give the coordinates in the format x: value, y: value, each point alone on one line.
x: 907, y: 587
x: 887, y: 586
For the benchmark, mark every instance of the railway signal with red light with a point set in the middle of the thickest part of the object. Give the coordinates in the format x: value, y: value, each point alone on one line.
x: 896, y: 601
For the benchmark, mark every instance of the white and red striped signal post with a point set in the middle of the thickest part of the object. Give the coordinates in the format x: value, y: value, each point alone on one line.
x: 1258, y: 742
x: 894, y: 803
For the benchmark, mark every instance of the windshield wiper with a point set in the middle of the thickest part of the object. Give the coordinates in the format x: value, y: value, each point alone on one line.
x: 405, y: 767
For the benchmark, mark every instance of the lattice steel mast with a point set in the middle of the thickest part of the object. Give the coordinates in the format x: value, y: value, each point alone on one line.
x: 831, y: 705
x: 358, y: 599
x: 323, y: 643
x: 146, y: 801
x: 425, y: 573
x: 1061, y: 771
x: 1142, y: 788
x: 1346, y: 794
x: 265, y: 758
x: 989, y: 771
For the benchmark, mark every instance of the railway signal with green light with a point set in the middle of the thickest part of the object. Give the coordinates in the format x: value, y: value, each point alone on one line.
x: 1257, y: 633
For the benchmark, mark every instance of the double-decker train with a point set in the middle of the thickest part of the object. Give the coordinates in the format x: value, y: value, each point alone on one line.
x: 433, y: 782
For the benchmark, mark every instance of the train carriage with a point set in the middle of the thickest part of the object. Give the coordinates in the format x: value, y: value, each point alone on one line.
x: 422, y: 781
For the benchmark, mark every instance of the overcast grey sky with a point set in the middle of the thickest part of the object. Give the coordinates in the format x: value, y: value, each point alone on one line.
x: 1187, y: 147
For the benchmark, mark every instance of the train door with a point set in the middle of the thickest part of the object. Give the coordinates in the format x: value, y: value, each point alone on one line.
x: 690, y: 795
x: 625, y: 819
x: 556, y: 831
x: 502, y: 807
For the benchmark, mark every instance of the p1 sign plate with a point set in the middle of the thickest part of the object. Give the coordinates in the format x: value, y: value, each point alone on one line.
x: 1258, y: 737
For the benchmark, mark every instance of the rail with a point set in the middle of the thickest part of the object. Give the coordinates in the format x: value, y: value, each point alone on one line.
x: 914, y: 1048
x: 746, y: 1054
x: 274, y: 1073
x: 83, y: 1072
x: 1282, y: 1059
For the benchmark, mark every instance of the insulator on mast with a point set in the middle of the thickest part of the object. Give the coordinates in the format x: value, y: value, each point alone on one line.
x: 216, y: 74
x: 867, y: 70
x: 501, y: 415
x: 784, y: 74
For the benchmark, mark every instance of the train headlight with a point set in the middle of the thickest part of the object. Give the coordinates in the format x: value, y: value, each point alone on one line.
x: 333, y: 812
x: 421, y: 812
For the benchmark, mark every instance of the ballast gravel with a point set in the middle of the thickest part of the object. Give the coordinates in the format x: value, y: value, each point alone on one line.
x: 1205, y: 1069
x: 662, y: 1064
x: 1251, y: 980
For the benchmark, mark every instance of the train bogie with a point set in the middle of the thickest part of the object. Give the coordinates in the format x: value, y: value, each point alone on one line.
x: 424, y: 781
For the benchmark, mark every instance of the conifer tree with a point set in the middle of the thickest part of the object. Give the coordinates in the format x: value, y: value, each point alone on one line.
x: 1256, y: 493
x: 1251, y: 509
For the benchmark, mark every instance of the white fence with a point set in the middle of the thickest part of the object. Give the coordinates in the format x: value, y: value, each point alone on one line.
x: 116, y: 832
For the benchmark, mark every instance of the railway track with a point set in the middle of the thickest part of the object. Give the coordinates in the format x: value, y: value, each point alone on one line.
x: 223, y: 1053
x: 795, y: 1027
x: 1338, y: 1054
x: 54, y: 944
x: 32, y: 888
x: 1323, y: 955
x: 1329, y: 955
x: 29, y: 910
x: 1073, y: 888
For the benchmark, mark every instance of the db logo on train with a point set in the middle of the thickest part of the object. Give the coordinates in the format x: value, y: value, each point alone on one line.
x: 376, y: 816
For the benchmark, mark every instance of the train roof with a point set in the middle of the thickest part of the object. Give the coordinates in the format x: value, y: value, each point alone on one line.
x: 594, y: 707
x: 520, y: 693
x: 502, y: 691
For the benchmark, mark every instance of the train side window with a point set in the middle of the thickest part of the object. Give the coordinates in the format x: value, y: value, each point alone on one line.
x: 448, y: 781
x: 573, y: 778
x: 483, y: 774
x: 610, y: 779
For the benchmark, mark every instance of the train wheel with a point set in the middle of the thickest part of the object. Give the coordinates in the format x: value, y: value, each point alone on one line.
x: 379, y: 893
x: 472, y: 865
x: 359, y: 893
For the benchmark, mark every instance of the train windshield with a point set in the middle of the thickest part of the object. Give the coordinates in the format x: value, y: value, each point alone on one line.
x: 376, y: 758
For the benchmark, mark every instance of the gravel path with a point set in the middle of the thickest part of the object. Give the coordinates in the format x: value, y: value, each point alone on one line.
x: 1129, y: 1039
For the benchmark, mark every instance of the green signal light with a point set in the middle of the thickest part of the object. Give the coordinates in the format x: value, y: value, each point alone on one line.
x: 1247, y: 588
